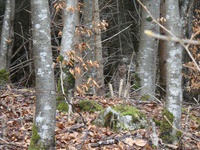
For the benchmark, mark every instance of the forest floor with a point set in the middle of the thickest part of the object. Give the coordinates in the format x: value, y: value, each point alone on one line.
x: 16, y: 115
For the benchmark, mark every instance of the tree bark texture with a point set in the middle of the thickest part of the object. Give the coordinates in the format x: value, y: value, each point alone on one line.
x: 7, y: 35
x: 89, y: 53
x: 174, y: 63
x: 98, y: 48
x: 148, y: 48
x: 45, y: 87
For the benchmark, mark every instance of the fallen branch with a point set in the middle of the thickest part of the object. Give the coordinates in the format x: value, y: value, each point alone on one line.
x: 106, y: 142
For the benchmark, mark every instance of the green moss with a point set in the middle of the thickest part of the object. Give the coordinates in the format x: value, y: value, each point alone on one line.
x: 129, y: 110
x: 166, y: 128
x: 157, y: 122
x: 63, y: 106
x: 111, y: 121
x: 90, y: 106
x: 145, y: 97
x: 149, y: 19
x: 4, y: 76
x: 136, y: 80
x: 34, y: 144
x: 154, y: 147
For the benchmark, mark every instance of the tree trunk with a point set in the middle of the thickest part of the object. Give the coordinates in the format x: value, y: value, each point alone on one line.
x: 148, y: 47
x: 44, y: 123
x: 7, y: 35
x: 89, y: 53
x: 98, y: 48
x: 174, y: 63
x: 162, y: 55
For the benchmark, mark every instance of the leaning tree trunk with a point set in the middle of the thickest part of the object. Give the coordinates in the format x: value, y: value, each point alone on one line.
x: 174, y: 63
x: 44, y: 122
x: 69, y: 40
x: 7, y: 35
x: 148, y: 48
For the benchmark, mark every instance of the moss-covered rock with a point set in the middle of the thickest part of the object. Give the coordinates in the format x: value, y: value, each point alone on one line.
x: 129, y: 110
x: 89, y: 106
x: 121, y: 117
x: 63, y: 106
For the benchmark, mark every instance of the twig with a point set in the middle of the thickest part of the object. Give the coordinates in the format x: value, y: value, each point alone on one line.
x: 169, y: 38
x: 117, y: 33
x: 186, y: 119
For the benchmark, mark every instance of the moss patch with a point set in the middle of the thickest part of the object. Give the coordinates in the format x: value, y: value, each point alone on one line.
x: 131, y: 111
x: 166, y: 128
x: 63, y: 106
x: 4, y: 76
x: 90, y: 106
x: 136, y: 81
x: 145, y: 97
x: 111, y: 121
x: 34, y: 144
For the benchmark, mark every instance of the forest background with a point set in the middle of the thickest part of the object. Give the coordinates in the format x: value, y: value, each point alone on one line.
x: 129, y: 49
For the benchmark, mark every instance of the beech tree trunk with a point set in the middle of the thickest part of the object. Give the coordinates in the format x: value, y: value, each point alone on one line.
x: 98, y: 48
x: 174, y: 63
x: 44, y: 122
x: 148, y: 48
x: 7, y: 35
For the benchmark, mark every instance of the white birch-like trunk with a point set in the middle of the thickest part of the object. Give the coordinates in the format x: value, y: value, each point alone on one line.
x: 69, y: 40
x: 174, y: 63
x: 45, y: 88
x: 7, y: 35
x: 69, y: 25
x: 148, y: 48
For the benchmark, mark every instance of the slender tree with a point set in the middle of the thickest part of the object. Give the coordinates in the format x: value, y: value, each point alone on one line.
x: 7, y: 35
x: 98, y: 47
x: 44, y: 122
x: 69, y: 40
x: 148, y: 48
x: 94, y: 51
x: 174, y: 63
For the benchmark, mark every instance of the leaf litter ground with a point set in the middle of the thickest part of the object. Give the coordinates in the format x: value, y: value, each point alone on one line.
x: 17, y: 110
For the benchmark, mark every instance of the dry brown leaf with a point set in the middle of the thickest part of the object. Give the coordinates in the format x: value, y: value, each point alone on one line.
x: 129, y: 141
x: 140, y: 142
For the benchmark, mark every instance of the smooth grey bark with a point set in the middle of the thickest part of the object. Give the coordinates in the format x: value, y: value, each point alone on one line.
x: 69, y: 37
x: 174, y: 63
x: 45, y: 88
x: 91, y: 21
x: 98, y: 48
x: 7, y: 35
x: 89, y: 53
x: 148, y: 48
x: 69, y: 25
x: 69, y: 40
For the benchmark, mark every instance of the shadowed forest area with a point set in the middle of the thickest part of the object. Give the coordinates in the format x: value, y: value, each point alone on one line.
x: 99, y: 74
